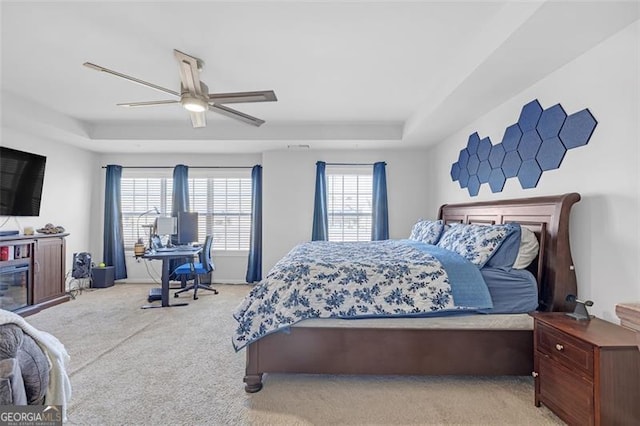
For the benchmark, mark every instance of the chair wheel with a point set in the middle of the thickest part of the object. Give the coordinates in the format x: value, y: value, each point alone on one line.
x: 176, y: 295
x: 195, y: 298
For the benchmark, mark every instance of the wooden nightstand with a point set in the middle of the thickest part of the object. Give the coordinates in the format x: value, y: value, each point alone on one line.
x: 586, y: 372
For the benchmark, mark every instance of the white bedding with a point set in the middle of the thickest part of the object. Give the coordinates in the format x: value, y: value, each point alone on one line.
x: 59, y: 390
x: 475, y: 322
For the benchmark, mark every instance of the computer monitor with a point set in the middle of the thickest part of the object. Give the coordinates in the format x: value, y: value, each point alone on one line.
x: 187, y: 227
x: 166, y: 225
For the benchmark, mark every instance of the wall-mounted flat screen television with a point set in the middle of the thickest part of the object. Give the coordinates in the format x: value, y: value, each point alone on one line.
x: 21, y: 179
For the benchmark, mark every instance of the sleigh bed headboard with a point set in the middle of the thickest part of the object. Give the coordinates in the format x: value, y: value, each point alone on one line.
x: 548, y: 217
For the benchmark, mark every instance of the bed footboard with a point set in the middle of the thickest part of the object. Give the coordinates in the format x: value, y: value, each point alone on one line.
x: 389, y: 351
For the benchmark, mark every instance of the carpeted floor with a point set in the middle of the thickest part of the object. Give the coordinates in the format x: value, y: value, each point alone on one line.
x: 176, y: 366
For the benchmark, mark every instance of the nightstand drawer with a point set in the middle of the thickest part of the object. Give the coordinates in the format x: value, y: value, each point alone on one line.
x: 569, y: 351
x: 568, y: 394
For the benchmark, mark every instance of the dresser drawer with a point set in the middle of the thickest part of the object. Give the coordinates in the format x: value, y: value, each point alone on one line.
x: 569, y: 351
x: 568, y: 394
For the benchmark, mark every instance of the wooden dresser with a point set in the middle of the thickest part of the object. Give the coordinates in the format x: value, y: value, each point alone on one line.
x: 32, y: 272
x: 586, y: 372
x: 629, y: 314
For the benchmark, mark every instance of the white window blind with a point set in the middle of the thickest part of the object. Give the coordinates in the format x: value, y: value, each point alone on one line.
x: 139, y: 195
x: 349, y: 198
x: 223, y: 204
x: 224, y: 210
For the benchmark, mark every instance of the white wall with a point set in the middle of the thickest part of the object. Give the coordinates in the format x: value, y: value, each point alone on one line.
x: 288, y: 194
x: 605, y: 223
x: 66, y: 192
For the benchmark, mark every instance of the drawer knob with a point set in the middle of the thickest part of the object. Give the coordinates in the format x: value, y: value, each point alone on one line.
x: 559, y: 346
x: 534, y: 374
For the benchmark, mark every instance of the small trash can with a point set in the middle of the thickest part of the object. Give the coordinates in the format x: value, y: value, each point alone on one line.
x: 102, y: 276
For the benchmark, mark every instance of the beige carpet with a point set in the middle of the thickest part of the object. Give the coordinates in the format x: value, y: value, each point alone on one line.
x: 176, y: 366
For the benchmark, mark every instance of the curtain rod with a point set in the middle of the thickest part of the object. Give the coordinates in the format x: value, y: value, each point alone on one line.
x: 191, y: 167
x: 349, y: 164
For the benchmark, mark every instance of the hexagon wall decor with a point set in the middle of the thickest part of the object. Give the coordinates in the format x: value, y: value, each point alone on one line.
x: 529, y: 145
x: 551, y: 154
x: 496, y: 156
x: 529, y: 174
x: 511, y: 164
x: 484, y: 170
x: 511, y: 138
x: 537, y: 143
x: 497, y: 180
x: 529, y: 116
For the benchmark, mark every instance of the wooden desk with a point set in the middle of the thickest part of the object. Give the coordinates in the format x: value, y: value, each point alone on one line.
x: 166, y: 257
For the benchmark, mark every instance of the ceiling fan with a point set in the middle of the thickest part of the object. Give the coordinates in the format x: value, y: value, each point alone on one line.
x: 194, y: 95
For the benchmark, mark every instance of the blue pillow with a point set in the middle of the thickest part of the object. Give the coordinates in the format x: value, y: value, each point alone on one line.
x: 476, y: 243
x: 506, y: 254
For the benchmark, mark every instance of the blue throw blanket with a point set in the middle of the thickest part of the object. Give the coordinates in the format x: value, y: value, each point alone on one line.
x: 391, y: 278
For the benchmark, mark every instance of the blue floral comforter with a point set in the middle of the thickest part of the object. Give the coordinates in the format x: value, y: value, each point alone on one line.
x: 390, y: 278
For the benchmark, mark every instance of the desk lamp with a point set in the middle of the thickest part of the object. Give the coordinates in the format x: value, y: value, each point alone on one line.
x: 139, y: 247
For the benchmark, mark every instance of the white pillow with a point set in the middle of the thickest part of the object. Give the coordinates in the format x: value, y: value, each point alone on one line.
x: 528, y: 249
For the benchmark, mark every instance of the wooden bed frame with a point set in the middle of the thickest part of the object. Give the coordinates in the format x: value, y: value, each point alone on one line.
x: 486, y: 352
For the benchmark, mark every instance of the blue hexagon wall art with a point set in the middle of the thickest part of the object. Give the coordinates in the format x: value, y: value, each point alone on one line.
x: 551, y: 154
x: 529, y: 174
x: 496, y: 156
x: 551, y: 122
x: 538, y: 142
x: 472, y: 144
x: 474, y: 185
x: 496, y: 180
x: 484, y: 149
x: 577, y: 129
x: 529, y: 116
x: 484, y: 170
x: 529, y: 145
x: 511, y: 138
x: 472, y: 164
x: 511, y: 164
x: 455, y: 171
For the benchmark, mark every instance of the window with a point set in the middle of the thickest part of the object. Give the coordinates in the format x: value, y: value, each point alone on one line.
x: 224, y: 209
x: 221, y: 198
x: 349, y: 197
x: 139, y: 195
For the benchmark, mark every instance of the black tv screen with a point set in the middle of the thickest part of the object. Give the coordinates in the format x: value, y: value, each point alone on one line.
x: 21, y: 179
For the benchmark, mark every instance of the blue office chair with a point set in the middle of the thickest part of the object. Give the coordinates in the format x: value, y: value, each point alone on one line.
x: 203, y: 267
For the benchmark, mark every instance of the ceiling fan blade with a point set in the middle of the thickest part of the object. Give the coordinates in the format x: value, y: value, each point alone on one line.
x: 148, y: 103
x: 198, y: 119
x: 238, y: 97
x: 189, y: 72
x: 221, y: 109
x: 127, y: 77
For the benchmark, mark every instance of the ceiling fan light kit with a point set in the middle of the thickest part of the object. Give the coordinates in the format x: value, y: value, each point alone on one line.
x: 193, y: 104
x: 194, y: 95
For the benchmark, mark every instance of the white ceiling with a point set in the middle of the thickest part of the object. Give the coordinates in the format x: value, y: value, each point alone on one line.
x: 346, y: 73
